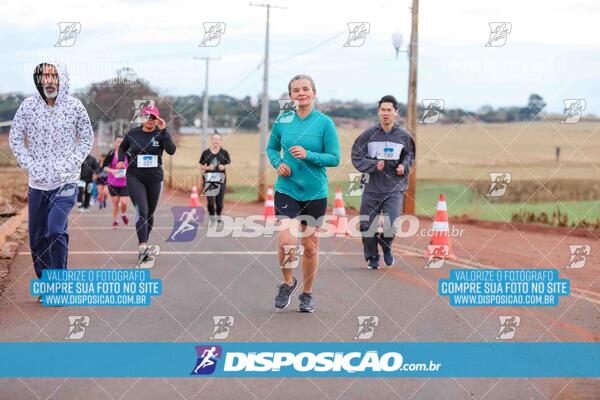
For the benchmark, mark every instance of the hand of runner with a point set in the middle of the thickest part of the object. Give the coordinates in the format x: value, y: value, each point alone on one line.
x: 161, y: 123
x: 298, y: 152
x: 221, y: 167
x: 380, y: 165
x: 284, y: 170
x: 120, y: 165
x: 210, y: 167
x: 400, y: 170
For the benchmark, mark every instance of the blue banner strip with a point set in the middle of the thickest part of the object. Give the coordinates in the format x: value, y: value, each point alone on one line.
x: 344, y: 359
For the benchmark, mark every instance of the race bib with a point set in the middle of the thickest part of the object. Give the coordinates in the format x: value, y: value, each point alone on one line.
x: 147, y: 161
x: 388, y: 153
x: 214, y: 177
x: 385, y: 150
x: 120, y: 173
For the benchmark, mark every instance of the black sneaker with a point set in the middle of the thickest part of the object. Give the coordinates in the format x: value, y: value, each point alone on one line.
x: 373, y: 264
x: 388, y: 256
x: 282, y: 300
x: 306, y: 303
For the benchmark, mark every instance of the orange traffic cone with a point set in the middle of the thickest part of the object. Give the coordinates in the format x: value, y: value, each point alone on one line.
x: 194, y: 202
x: 341, y: 221
x: 269, y: 204
x: 441, y: 236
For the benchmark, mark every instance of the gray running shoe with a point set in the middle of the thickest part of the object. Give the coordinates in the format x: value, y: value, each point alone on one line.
x: 282, y: 300
x: 306, y: 303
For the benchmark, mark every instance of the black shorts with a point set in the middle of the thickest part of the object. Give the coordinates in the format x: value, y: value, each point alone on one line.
x: 101, y: 180
x: 118, y: 191
x: 309, y: 212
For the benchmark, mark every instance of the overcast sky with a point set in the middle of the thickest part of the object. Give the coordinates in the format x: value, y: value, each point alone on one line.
x: 553, y: 48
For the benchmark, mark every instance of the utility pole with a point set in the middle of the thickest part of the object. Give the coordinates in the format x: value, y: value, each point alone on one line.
x: 411, y: 106
x: 205, y: 100
x: 264, y: 111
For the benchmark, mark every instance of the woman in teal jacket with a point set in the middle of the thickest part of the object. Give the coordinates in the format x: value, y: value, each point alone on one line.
x: 303, y: 143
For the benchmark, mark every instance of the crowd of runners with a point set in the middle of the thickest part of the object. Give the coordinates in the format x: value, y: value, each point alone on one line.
x: 52, y: 139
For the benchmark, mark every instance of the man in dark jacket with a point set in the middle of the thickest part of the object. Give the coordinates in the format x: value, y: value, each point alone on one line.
x: 89, y: 169
x: 385, y: 152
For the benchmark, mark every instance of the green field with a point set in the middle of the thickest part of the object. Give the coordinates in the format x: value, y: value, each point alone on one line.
x: 450, y: 159
x: 461, y: 201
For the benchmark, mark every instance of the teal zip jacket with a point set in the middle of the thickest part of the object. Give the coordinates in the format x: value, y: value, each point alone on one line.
x: 317, y: 134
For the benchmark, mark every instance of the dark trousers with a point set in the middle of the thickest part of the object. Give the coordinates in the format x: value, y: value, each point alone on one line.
x: 85, y: 194
x: 215, y: 203
x: 371, y: 206
x: 48, y: 217
x: 144, y: 194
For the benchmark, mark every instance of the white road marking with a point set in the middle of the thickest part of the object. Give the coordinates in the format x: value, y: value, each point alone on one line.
x: 227, y: 253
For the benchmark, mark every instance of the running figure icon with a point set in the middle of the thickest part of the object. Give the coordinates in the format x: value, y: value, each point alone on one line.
x: 208, y: 356
x: 187, y: 217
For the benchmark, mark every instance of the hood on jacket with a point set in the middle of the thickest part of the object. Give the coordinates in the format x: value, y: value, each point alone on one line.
x: 63, y: 81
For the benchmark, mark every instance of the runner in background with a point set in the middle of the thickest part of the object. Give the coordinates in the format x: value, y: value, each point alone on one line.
x: 385, y: 152
x: 89, y: 169
x: 143, y: 147
x: 117, y: 183
x: 212, y: 163
x: 101, y: 182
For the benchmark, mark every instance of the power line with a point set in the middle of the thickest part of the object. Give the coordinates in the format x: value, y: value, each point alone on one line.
x: 310, y: 48
x: 246, y: 77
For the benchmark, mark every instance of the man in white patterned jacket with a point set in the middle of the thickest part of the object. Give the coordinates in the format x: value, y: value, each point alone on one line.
x: 51, y: 135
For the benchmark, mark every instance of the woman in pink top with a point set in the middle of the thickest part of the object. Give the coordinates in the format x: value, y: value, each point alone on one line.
x: 117, y: 183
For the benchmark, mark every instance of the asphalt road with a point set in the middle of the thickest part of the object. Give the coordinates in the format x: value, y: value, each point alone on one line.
x: 238, y: 277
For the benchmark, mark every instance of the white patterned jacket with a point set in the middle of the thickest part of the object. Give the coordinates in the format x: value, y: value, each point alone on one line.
x: 51, y: 142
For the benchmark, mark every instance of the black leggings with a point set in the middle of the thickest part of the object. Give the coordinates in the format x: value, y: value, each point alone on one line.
x: 216, y: 202
x: 85, y: 195
x: 144, y: 196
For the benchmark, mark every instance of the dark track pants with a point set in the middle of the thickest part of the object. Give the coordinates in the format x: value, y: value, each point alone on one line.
x: 371, y: 206
x: 48, y: 217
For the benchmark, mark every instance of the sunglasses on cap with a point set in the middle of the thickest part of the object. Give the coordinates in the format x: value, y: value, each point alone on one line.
x: 149, y: 117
